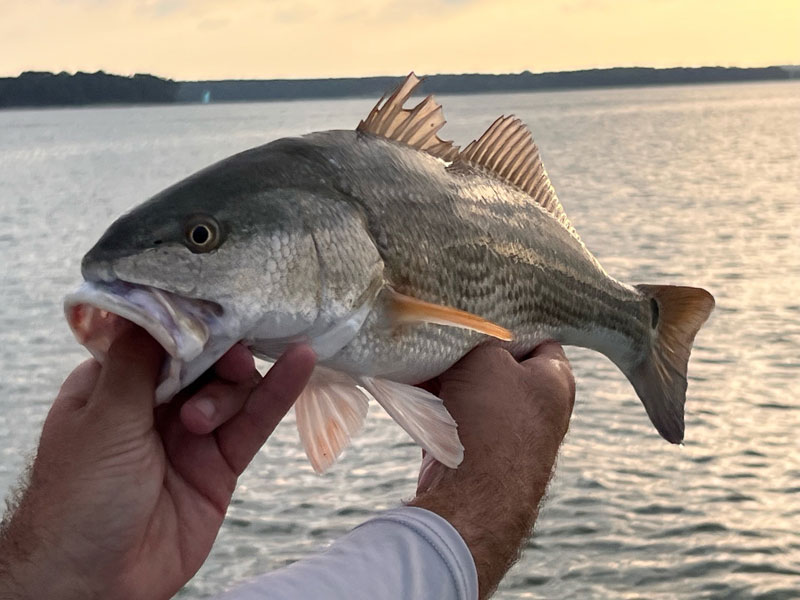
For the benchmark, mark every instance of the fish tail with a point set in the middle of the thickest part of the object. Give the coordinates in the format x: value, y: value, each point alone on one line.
x: 677, y: 313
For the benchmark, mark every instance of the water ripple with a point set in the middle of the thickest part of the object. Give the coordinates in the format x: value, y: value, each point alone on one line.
x: 693, y: 184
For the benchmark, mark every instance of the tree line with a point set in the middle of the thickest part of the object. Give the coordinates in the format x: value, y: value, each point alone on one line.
x: 37, y: 88
x: 34, y: 88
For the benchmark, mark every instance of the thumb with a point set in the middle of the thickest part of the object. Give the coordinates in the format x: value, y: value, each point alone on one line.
x: 431, y: 472
x: 129, y: 375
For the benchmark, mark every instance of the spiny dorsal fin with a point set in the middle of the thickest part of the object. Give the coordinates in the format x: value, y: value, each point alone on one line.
x: 508, y: 151
x: 416, y: 127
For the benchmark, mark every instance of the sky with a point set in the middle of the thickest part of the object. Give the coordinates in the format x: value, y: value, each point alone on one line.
x: 226, y: 39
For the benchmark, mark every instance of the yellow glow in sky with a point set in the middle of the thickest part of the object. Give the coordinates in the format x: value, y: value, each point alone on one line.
x: 219, y: 39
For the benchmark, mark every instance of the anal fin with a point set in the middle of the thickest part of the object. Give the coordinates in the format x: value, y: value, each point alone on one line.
x: 422, y: 415
x: 330, y: 411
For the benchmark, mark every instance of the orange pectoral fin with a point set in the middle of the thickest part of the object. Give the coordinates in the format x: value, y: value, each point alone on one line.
x: 405, y: 309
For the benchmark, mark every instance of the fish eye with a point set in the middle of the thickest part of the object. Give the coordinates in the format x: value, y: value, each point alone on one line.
x: 202, y: 234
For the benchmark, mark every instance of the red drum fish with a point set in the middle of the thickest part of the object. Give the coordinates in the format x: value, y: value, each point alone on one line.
x: 393, y: 253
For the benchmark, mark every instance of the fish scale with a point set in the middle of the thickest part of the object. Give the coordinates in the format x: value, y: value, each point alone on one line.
x: 467, y: 271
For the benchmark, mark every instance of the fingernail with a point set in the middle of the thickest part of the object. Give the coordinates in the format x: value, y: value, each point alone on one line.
x: 205, y: 406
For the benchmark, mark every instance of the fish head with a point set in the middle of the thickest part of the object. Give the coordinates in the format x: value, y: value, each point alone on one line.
x: 201, y: 266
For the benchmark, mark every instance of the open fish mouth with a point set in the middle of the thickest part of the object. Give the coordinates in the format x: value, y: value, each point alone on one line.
x: 191, y: 331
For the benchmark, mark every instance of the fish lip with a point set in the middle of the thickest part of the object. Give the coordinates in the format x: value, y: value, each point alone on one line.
x: 96, y: 312
x: 95, y: 268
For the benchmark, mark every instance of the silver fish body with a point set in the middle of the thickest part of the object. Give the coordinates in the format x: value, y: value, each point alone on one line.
x: 457, y: 239
x: 379, y: 253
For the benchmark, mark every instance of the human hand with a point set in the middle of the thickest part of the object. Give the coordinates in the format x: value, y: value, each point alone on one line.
x: 125, y: 501
x: 511, y: 420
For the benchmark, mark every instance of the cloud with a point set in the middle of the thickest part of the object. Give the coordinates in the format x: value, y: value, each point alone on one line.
x: 213, y: 23
x: 577, y: 6
x: 294, y: 13
x: 162, y: 8
x: 406, y: 10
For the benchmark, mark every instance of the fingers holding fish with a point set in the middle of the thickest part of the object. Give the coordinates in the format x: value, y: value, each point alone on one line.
x: 78, y: 386
x: 550, y: 349
x: 215, y: 404
x: 489, y: 391
x: 234, y: 378
x: 240, y: 438
x: 133, y: 361
x: 472, y: 369
x: 237, y: 366
x: 551, y: 374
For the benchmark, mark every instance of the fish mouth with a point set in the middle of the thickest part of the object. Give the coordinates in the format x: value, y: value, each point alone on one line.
x: 191, y: 331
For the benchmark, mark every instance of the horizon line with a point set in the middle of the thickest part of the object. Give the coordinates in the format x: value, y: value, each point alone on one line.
x: 322, y: 78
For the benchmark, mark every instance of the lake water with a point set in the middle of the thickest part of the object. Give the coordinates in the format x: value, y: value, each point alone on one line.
x: 697, y: 185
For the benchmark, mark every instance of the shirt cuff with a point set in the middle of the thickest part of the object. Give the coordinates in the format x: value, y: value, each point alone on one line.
x: 403, y: 553
x: 443, y: 538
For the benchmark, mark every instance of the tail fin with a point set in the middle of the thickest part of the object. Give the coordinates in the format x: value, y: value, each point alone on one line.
x: 660, y: 379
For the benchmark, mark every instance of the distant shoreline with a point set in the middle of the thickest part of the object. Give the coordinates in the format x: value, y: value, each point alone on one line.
x: 34, y: 89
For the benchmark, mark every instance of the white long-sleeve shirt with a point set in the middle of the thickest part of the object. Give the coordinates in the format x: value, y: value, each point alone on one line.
x: 403, y: 554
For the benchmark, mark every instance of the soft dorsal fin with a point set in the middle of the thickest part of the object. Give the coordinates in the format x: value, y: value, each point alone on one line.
x: 417, y: 127
x: 508, y: 151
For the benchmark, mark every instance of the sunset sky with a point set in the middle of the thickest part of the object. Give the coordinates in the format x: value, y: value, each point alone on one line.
x: 219, y: 39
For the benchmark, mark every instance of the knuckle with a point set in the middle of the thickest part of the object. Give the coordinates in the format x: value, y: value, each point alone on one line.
x: 564, y: 384
x: 556, y: 351
x: 554, y: 382
x: 565, y: 378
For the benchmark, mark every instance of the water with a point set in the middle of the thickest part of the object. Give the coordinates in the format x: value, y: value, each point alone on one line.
x: 696, y: 185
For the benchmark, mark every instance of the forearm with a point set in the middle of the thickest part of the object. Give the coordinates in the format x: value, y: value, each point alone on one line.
x: 31, y: 567
x: 511, y: 429
x: 16, y: 549
x: 493, y: 510
x: 27, y: 579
